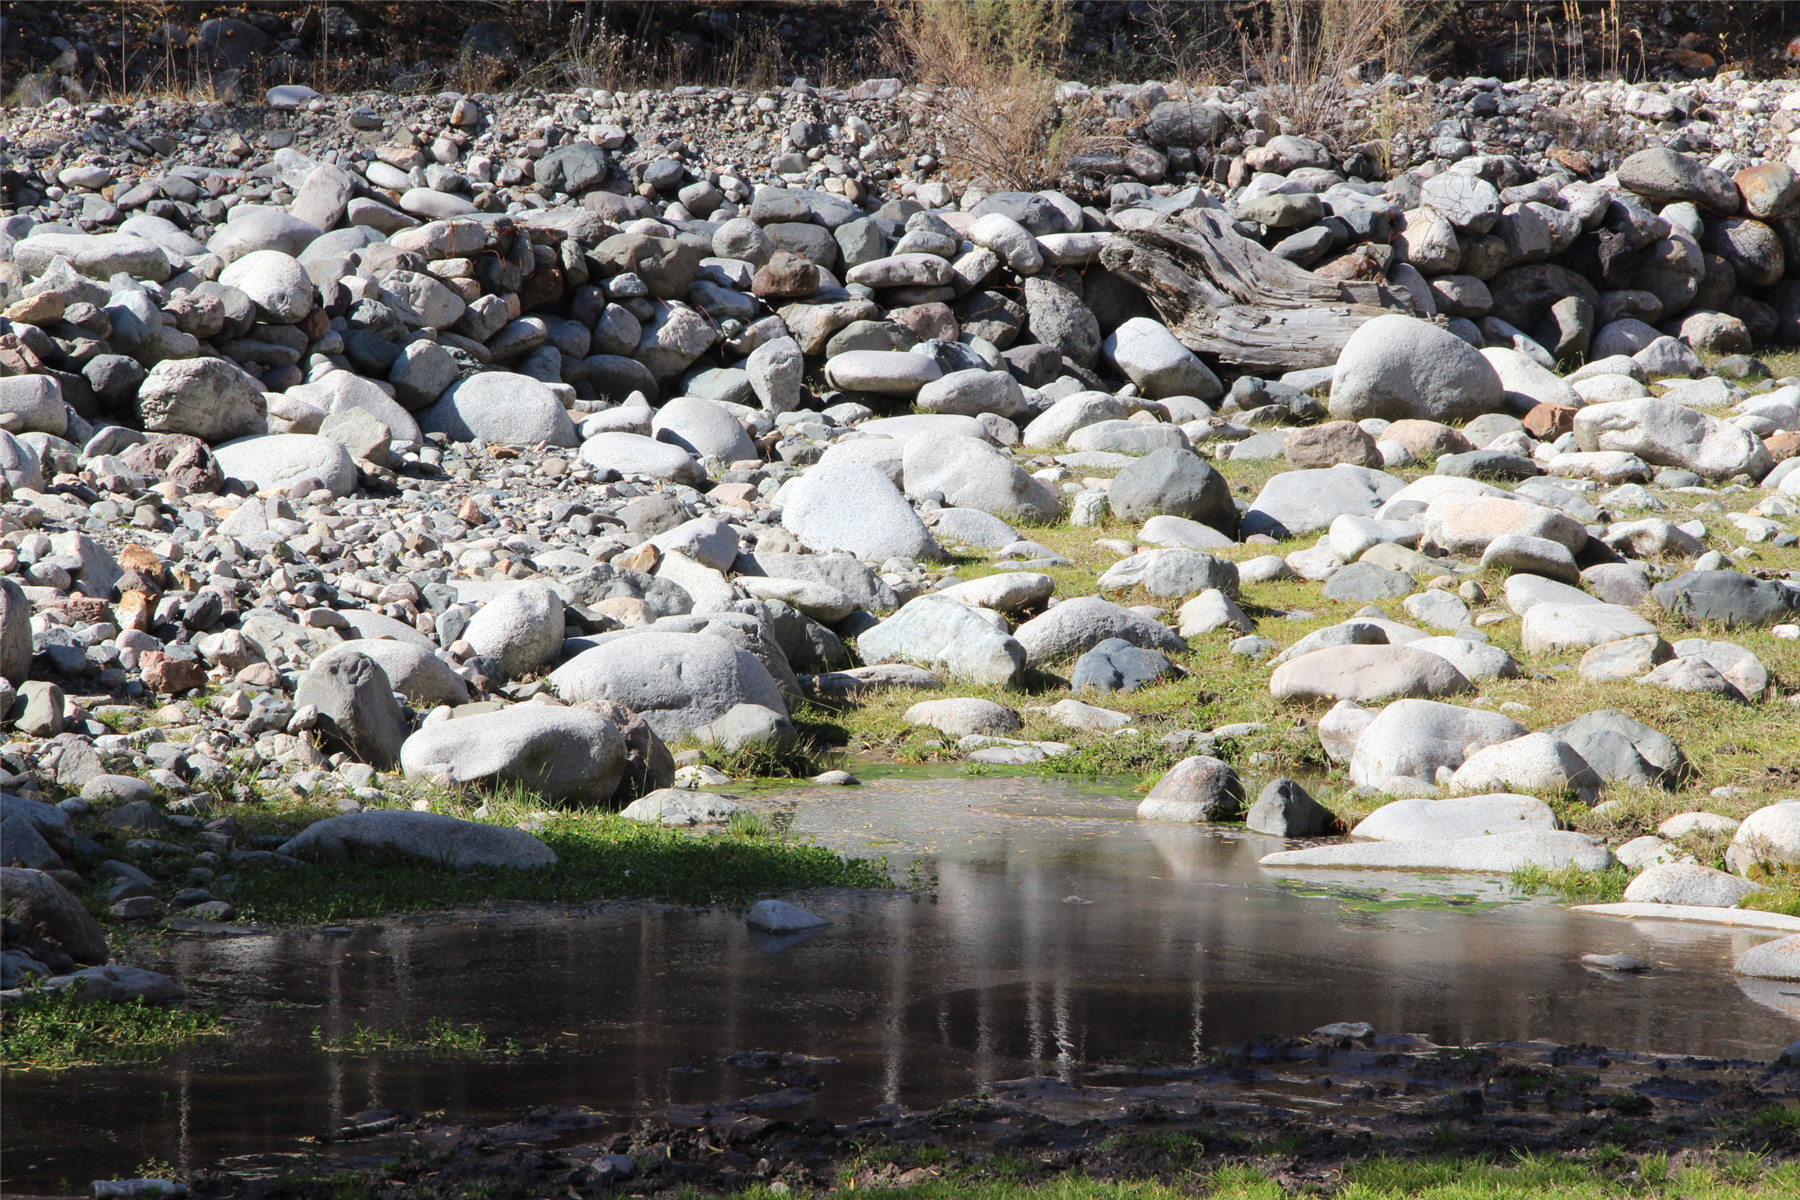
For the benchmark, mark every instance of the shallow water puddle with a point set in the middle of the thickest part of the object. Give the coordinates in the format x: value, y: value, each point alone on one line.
x: 1062, y: 935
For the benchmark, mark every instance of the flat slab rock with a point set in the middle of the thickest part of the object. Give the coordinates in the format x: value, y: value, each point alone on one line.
x: 447, y: 841
x: 1455, y: 819
x: 1736, y: 918
x: 680, y: 807
x: 1500, y: 853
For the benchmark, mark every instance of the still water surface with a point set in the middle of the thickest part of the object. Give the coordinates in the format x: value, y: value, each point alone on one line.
x: 1061, y: 935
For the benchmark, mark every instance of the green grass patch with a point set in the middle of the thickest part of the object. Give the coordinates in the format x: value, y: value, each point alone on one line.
x: 601, y: 856
x: 440, y: 1036
x: 57, y: 1031
x: 1597, y: 1176
x: 1373, y: 900
x: 1782, y: 897
x: 1574, y: 885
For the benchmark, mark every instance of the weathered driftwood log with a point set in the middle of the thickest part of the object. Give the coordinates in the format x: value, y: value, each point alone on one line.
x: 1222, y: 294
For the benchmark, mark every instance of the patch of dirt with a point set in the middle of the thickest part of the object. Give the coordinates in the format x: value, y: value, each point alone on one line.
x: 1298, y: 1109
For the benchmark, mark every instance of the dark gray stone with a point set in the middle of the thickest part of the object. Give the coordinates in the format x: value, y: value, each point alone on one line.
x: 1623, y: 750
x: 1173, y: 482
x: 1727, y: 597
x: 1488, y: 464
x: 1367, y: 583
x: 357, y: 710
x: 1285, y: 809
x: 1116, y: 665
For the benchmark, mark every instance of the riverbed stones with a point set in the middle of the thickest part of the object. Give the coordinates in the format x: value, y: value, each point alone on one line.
x: 1660, y: 173
x: 1769, y: 837
x: 1689, y: 883
x: 940, y: 632
x: 1329, y: 444
x: 1082, y: 623
x: 884, y: 372
x: 432, y: 838
x: 1538, y: 763
x: 415, y: 548
x: 1362, y: 673
x: 636, y: 454
x: 1211, y: 611
x: 1116, y: 665
x: 973, y: 392
x: 1621, y: 749
x: 971, y: 473
x: 1727, y: 597
x: 500, y: 407
x: 1173, y: 482
x: 1469, y: 524
x: 1146, y: 353
x: 97, y: 255
x: 960, y: 716
x: 1415, y: 738
x: 682, y: 808
x: 747, y: 727
x: 279, y: 461
x: 1478, y: 661
x: 1054, y: 425
x: 676, y: 681
x: 1496, y: 854
x: 521, y: 629
x: 207, y: 398
x: 1198, y: 788
x: 1057, y: 318
x: 703, y: 428
x: 355, y: 706
x: 854, y: 507
x: 1171, y: 572
x: 1531, y: 555
x: 1299, y: 502
x: 1398, y: 367
x: 1367, y: 583
x: 1551, y: 627
x: 50, y: 916
x: 1285, y: 809
x: 780, y: 917
x: 1006, y: 591
x: 1666, y: 434
x: 416, y: 673
x: 1455, y: 818
x: 1777, y: 959
x: 275, y: 283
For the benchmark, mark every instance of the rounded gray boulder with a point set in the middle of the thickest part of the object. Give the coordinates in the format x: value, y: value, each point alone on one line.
x: 676, y: 681
x: 431, y: 837
x: 1400, y: 367
x: 559, y: 753
x: 499, y: 406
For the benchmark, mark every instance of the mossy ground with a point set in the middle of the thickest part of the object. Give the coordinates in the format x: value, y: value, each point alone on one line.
x: 1180, y: 1165
x: 1598, y: 1177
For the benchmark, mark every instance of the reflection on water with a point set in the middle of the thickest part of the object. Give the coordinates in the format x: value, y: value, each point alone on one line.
x: 1053, y: 943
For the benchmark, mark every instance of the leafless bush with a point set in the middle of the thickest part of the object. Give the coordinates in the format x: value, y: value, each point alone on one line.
x: 990, y: 66
x: 1310, y: 57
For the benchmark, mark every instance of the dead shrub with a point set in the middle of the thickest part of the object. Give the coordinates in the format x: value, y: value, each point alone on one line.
x: 1312, y: 58
x: 989, y: 66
